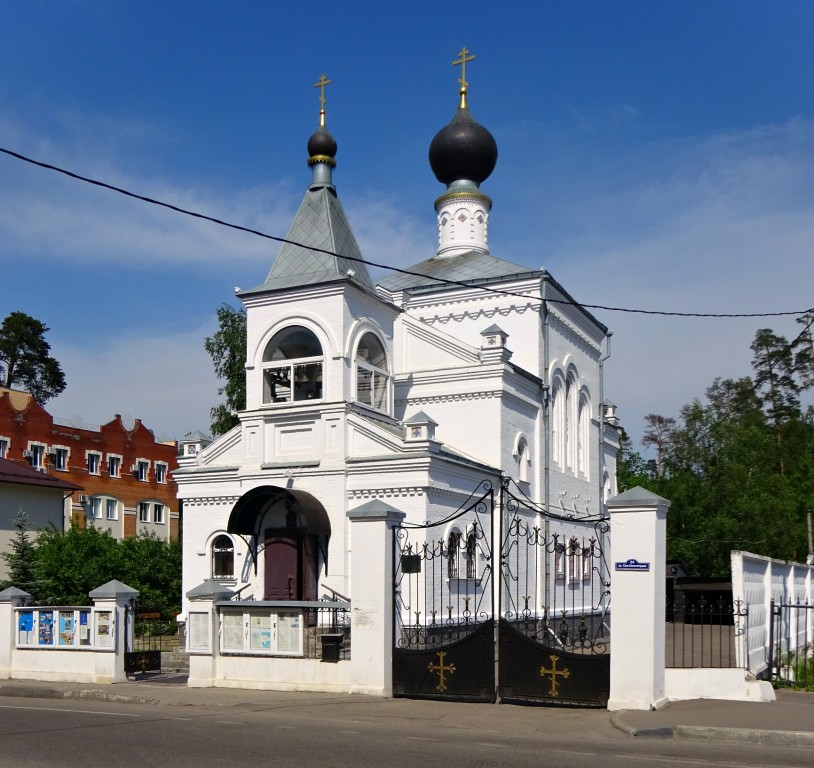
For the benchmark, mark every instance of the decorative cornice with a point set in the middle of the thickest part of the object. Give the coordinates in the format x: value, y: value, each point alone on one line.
x: 574, y: 335
x: 387, y: 493
x: 209, y: 501
x: 479, y: 313
x: 408, y: 492
x: 471, y: 195
x: 314, y: 159
x: 450, y: 398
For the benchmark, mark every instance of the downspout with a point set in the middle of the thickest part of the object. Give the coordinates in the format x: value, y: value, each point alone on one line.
x: 601, y: 457
x: 603, y: 541
x: 546, y: 438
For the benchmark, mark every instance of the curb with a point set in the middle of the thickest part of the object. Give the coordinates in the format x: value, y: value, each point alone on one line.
x: 712, y: 733
x: 749, y: 735
x: 92, y: 694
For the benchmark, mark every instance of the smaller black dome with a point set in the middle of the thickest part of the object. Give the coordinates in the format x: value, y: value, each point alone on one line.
x: 464, y: 149
x: 322, y: 143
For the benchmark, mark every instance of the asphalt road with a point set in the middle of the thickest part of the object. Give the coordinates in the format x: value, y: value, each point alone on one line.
x: 36, y: 733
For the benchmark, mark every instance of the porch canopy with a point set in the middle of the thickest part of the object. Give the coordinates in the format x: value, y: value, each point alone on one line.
x: 247, y: 515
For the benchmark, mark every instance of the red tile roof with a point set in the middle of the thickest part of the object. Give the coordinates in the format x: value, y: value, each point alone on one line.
x: 22, y: 474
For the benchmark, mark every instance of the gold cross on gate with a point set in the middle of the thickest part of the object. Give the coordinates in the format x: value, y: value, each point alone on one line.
x: 321, y: 83
x: 462, y: 61
x: 441, y: 669
x: 554, y: 672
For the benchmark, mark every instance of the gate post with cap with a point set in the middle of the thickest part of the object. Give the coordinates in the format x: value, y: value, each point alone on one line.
x: 371, y: 577
x: 638, y: 571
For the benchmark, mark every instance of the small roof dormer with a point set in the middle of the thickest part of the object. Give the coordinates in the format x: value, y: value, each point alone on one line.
x: 193, y: 443
x: 420, y: 428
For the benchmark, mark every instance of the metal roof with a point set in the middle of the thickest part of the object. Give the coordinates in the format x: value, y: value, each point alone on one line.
x: 469, y: 267
x: 22, y: 474
x: 320, y: 223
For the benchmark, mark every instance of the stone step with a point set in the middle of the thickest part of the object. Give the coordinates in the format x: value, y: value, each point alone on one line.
x: 177, y: 661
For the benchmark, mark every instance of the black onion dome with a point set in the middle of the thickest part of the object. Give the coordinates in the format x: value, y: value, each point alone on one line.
x: 322, y: 143
x: 464, y: 149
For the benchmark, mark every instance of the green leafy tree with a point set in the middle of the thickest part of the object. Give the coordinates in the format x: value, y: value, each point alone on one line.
x: 25, y: 359
x: 726, y: 490
x: 227, y: 348
x: 21, y: 559
x: 72, y: 563
x: 153, y: 567
x: 631, y: 468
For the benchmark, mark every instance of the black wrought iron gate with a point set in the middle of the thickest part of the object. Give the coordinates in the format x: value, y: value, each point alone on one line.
x: 554, y: 628
x: 551, y: 600
x: 444, y: 626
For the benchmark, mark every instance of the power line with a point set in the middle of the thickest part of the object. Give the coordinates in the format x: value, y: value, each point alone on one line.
x: 438, y: 281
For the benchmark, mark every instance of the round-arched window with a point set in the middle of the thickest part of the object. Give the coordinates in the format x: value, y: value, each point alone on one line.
x: 372, y: 376
x: 223, y: 557
x: 292, y: 366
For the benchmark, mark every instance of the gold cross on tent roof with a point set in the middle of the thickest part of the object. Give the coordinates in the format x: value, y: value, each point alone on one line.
x: 321, y: 83
x: 463, y: 53
x: 462, y: 61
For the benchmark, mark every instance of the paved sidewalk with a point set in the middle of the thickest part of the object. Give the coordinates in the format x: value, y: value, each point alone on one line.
x: 789, y: 721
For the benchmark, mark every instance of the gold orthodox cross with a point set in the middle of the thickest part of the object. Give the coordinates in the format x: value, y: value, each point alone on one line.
x: 321, y: 83
x: 554, y: 672
x: 441, y: 669
x: 462, y: 61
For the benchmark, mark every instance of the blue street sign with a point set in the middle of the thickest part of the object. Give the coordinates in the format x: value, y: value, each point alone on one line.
x: 632, y: 565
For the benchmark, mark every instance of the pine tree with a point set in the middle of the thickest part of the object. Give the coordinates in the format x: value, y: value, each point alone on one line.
x: 21, y: 559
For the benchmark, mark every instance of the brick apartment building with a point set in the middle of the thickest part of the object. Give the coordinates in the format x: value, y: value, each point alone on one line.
x: 124, y: 473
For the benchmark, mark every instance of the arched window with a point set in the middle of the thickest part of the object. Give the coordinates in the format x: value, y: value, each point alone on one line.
x: 372, y: 376
x: 570, y: 423
x: 453, y: 553
x: 524, y: 460
x: 472, y: 555
x: 292, y: 366
x: 223, y: 558
x: 558, y: 428
x: 583, y: 433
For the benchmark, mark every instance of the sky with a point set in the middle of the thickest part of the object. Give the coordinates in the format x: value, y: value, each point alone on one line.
x: 652, y: 156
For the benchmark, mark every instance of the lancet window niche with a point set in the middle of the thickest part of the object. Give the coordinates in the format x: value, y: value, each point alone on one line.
x: 292, y: 366
x: 372, y: 376
x: 223, y: 557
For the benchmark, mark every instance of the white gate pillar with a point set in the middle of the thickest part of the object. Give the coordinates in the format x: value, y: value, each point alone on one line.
x: 202, y: 632
x: 114, y: 598
x: 371, y: 579
x: 10, y: 599
x: 638, y: 572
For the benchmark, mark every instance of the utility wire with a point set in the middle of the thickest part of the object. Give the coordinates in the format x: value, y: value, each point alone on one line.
x: 438, y: 281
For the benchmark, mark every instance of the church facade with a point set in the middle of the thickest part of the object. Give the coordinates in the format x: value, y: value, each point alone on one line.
x: 410, y: 392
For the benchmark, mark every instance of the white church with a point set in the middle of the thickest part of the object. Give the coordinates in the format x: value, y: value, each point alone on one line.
x: 408, y: 392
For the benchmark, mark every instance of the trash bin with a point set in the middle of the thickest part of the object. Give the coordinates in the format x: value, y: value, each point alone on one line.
x: 331, y: 646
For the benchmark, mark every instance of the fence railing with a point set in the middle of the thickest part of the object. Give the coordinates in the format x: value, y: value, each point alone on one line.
x: 791, y: 638
x: 704, y: 633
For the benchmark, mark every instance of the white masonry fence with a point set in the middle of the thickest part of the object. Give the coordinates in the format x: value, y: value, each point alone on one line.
x: 761, y: 582
x: 83, y: 644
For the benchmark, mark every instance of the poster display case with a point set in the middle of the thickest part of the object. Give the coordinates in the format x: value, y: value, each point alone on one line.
x: 63, y: 628
x: 261, y: 631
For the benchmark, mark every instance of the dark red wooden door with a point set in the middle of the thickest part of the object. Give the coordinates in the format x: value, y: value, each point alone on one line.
x: 283, y: 559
